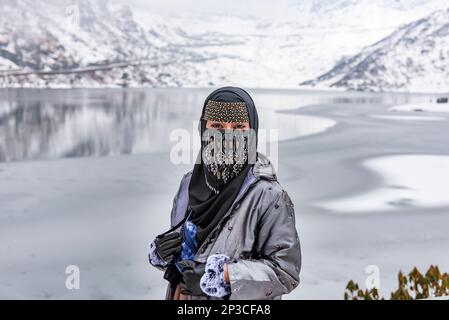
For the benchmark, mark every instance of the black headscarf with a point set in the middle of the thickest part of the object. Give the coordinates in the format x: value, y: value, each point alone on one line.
x: 209, y: 207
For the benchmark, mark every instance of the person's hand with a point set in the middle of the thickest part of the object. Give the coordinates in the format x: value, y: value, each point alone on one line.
x: 226, y: 274
x: 168, y: 245
x: 191, y: 275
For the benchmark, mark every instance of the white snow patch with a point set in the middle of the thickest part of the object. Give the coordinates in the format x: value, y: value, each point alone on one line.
x: 408, y: 181
x: 409, y: 118
x: 430, y: 107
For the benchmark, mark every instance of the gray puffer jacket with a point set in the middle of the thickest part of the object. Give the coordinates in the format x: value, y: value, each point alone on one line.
x: 258, y: 234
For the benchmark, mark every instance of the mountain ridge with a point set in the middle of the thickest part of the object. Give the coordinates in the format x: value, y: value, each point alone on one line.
x: 113, y: 45
x: 413, y: 58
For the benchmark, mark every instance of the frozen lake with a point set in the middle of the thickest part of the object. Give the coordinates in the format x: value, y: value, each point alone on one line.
x: 86, y: 180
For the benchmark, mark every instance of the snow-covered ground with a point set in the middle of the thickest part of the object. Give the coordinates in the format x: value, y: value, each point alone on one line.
x: 96, y: 213
x: 419, y: 107
x: 407, y: 181
x: 409, y: 118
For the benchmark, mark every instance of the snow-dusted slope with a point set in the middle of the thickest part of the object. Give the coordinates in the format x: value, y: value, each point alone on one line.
x: 40, y: 36
x: 413, y: 58
x: 94, y: 43
x: 295, y: 43
x: 116, y: 46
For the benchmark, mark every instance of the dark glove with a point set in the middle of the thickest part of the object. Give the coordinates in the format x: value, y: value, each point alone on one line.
x: 191, y: 275
x: 168, y: 245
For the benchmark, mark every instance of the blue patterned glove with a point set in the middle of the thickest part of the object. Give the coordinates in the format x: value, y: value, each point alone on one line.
x: 212, y: 282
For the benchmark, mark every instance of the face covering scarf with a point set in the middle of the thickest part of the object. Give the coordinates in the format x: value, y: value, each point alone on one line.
x: 225, y: 155
x: 224, y: 160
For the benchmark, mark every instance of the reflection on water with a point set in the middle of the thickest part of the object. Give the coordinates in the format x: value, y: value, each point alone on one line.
x: 43, y: 124
x: 51, y: 124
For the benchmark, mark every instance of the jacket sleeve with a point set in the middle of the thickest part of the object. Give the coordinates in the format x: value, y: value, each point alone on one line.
x: 276, y: 270
x: 154, y: 259
x: 180, y: 199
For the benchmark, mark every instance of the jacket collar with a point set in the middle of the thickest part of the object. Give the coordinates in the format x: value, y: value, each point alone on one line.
x: 263, y: 168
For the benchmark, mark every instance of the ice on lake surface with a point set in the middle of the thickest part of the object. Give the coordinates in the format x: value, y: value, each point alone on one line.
x: 86, y: 180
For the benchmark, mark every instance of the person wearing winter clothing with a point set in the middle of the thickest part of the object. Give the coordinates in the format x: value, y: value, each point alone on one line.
x: 232, y: 232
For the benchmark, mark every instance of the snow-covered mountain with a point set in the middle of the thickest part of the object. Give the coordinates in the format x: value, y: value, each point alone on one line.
x: 413, y: 58
x: 42, y: 43
x: 295, y: 43
x: 89, y: 43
